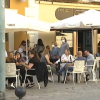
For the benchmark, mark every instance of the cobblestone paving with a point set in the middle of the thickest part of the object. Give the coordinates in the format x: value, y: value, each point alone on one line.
x: 59, y: 91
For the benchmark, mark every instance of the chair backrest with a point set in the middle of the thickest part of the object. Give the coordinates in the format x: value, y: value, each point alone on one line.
x: 10, y: 69
x: 79, y: 66
x: 94, y: 65
x: 97, y: 60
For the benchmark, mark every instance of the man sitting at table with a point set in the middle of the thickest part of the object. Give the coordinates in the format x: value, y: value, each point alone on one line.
x: 70, y: 66
x: 90, y: 61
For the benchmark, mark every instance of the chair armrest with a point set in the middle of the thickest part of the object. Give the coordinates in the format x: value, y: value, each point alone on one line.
x: 89, y: 65
x: 30, y: 69
x: 17, y: 69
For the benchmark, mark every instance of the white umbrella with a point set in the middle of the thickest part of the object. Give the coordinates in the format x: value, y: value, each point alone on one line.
x: 87, y: 20
x: 16, y: 22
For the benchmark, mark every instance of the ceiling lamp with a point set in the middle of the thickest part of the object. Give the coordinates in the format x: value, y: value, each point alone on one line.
x: 22, y: 0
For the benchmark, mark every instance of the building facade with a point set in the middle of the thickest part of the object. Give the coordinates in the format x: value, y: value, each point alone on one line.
x: 51, y: 12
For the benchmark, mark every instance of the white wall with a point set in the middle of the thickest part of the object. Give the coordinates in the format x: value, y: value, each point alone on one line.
x: 48, y: 38
x: 30, y: 3
x: 32, y: 12
x: 11, y: 41
x: 33, y: 37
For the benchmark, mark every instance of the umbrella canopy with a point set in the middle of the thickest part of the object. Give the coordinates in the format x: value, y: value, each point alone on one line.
x: 16, y: 22
x: 88, y: 19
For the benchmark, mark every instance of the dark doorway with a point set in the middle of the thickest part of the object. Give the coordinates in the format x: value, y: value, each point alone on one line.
x: 85, y: 40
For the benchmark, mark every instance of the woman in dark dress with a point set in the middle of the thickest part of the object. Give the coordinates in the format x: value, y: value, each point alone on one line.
x: 31, y: 65
x: 39, y: 48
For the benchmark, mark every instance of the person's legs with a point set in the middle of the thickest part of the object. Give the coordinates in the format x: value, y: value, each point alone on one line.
x: 89, y: 69
x: 11, y: 81
x: 63, y: 68
x: 31, y: 72
x: 22, y: 73
x: 65, y: 72
x: 53, y: 69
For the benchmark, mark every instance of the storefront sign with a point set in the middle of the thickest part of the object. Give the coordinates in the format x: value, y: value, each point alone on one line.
x: 62, y: 13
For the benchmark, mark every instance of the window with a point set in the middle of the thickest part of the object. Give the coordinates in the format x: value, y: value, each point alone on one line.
x: 7, y: 3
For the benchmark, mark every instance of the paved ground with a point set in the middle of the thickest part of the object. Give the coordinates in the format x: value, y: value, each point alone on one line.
x: 59, y: 91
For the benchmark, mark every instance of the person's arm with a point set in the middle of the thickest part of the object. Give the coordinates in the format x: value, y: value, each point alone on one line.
x: 91, y: 58
x: 70, y: 65
x: 62, y: 58
x: 28, y: 66
x: 47, y: 58
x: 57, y: 61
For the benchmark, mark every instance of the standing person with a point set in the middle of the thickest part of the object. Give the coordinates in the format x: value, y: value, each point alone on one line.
x: 64, y: 46
x: 48, y: 47
x: 39, y: 48
x: 22, y: 48
x: 55, y: 52
x: 45, y: 58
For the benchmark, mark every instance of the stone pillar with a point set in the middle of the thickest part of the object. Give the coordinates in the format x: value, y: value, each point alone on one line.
x: 75, y: 43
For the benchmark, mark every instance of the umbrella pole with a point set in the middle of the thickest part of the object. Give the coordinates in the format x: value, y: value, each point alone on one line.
x: 92, y: 42
x: 26, y: 49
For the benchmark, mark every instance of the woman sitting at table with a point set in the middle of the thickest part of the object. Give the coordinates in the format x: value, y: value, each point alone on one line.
x: 32, y: 64
x: 19, y: 65
x: 45, y: 58
x: 10, y: 59
x: 66, y: 59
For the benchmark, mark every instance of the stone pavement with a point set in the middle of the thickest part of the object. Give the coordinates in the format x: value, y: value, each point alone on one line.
x: 59, y: 91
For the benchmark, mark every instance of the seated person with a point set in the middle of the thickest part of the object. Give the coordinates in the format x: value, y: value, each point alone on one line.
x: 90, y: 61
x: 19, y: 65
x: 10, y: 59
x: 45, y: 58
x: 67, y: 58
x: 32, y: 64
x: 69, y: 66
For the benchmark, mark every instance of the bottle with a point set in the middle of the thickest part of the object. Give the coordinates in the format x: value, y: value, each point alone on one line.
x: 70, y: 59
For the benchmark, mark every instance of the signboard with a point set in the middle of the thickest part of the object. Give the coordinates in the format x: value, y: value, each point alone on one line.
x: 63, y: 13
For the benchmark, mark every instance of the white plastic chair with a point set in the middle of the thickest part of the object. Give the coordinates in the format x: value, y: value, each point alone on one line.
x: 77, y: 68
x: 97, y: 60
x: 26, y: 75
x: 50, y: 71
x: 93, y: 70
x: 11, y: 72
